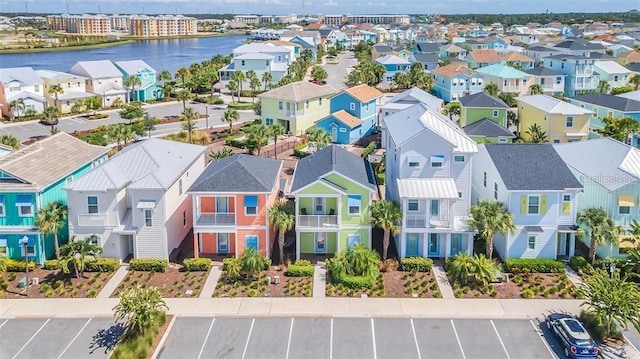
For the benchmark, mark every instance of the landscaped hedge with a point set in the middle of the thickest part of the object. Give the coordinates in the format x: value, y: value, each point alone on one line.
x: 148, y: 265
x: 534, y: 265
x: 197, y: 265
x: 241, y: 105
x: 52, y: 264
x: 235, y: 141
x: 357, y: 282
x: 102, y: 265
x: 299, y: 271
x: 416, y: 264
x: 97, y: 116
x: 580, y: 264
x: 226, y: 262
x: 18, y: 266
x: 299, y: 152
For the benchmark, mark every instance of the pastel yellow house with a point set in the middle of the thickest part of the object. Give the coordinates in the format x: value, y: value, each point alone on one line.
x: 296, y: 106
x: 73, y: 89
x: 561, y: 121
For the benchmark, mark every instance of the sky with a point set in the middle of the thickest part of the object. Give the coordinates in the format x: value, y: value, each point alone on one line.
x: 272, y: 7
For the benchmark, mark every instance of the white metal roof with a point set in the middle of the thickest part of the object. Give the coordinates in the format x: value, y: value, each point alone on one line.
x: 133, y: 67
x: 24, y: 75
x: 99, y: 69
x: 611, y: 67
x: 427, y: 188
x: 552, y: 105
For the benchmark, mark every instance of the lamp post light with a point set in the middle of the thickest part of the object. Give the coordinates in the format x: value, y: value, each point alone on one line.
x: 206, y: 111
x: 25, y: 242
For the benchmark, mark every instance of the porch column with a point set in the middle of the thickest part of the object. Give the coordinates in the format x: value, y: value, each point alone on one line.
x: 424, y: 238
x: 470, y: 243
x: 196, y: 248
x: 339, y: 212
x: 297, y: 244
x: 572, y: 244
x: 447, y: 243
x: 402, y: 248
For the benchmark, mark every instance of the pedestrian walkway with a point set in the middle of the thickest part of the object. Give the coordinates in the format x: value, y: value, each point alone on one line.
x: 319, y: 280
x: 573, y: 276
x: 114, y: 282
x: 211, y: 282
x: 443, y: 282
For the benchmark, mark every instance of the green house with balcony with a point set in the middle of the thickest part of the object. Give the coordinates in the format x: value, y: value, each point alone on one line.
x: 333, y: 191
x: 30, y: 178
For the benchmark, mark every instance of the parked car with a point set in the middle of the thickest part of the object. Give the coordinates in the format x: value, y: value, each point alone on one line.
x: 574, y: 337
x: 53, y: 122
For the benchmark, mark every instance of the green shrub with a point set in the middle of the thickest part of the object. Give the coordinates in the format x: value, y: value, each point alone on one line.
x: 369, y: 149
x: 52, y: 264
x: 597, y: 330
x: 147, y: 265
x: 299, y: 271
x: 236, y: 141
x: 527, y: 294
x: 241, y: 105
x: 226, y: 262
x: 18, y: 266
x: 303, y: 262
x: 44, y: 287
x: 92, y: 293
x: 380, y: 178
x: 579, y: 264
x: 197, y: 265
x: 357, y: 282
x: 299, y: 150
x: 534, y: 265
x: 416, y: 264
x: 102, y: 265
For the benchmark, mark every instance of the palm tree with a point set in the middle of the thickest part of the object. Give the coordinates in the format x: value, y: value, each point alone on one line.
x: 319, y: 74
x: 55, y: 90
x: 149, y: 123
x: 184, y: 96
x: 50, y: 113
x: 483, y: 269
x: 386, y: 215
x: 117, y: 103
x: 167, y: 89
x: 321, y: 137
x: 79, y: 252
x: 120, y: 133
x: 597, y: 224
x: 452, y: 109
x: 276, y: 131
x: 632, y: 264
x: 132, y: 82
x: 634, y: 232
x: 281, y: 217
x: 635, y: 81
x: 214, y: 77
x: 257, y: 137
x: 221, y: 153
x: 140, y: 308
x: 182, y: 74
x: 230, y: 116
x: 460, y: 268
x: 536, y: 135
x: 536, y: 89
x: 254, y: 83
x: 164, y: 76
x: 489, y: 218
x: 17, y: 105
x: 50, y: 219
x: 266, y: 79
x: 232, y: 86
x: 491, y: 89
x: 10, y: 140
x: 402, y: 79
x: 239, y: 77
x: 188, y: 122
x: 604, y: 86
x: 252, y: 262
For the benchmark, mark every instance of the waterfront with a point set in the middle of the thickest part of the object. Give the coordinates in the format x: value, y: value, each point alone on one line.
x: 166, y: 54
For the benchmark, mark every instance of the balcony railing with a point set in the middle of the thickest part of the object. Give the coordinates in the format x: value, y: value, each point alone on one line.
x: 416, y: 220
x: 294, y: 113
x: 92, y: 220
x: 216, y: 219
x: 317, y: 221
x: 584, y: 71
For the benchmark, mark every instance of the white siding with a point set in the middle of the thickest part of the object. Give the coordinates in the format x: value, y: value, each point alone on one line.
x: 150, y: 242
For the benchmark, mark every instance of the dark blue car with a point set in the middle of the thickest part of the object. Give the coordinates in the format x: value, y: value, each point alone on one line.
x: 574, y: 337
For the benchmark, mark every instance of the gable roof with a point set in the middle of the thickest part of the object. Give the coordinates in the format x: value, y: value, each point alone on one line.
x: 24, y: 75
x: 425, y: 58
x: 363, y: 92
x: 414, y: 95
x: 406, y: 124
x: 428, y: 47
x: 503, y: 71
x: 346, y: 118
x: 487, y: 128
x: 239, y: 173
x: 45, y: 162
x: 610, y: 101
x: 612, y: 164
x: 543, y: 71
x: 382, y: 48
x: 98, y: 69
x: 482, y: 100
x: 57, y: 75
x: 332, y: 159
x: 579, y: 44
x: 514, y: 56
x: 150, y: 164
x: 531, y: 167
x: 611, y: 67
x: 299, y: 91
x: 133, y: 67
x: 453, y: 70
x: 485, y: 56
x: 392, y: 60
x: 550, y: 104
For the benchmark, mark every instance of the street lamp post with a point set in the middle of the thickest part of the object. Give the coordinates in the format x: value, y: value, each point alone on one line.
x: 25, y: 243
x: 206, y: 111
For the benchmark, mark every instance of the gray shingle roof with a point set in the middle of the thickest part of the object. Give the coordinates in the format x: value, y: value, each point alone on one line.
x: 487, y: 128
x: 428, y: 47
x: 239, y: 173
x: 482, y: 100
x: 332, y: 159
x: 531, y: 167
x: 610, y: 101
x: 425, y: 58
x: 543, y: 71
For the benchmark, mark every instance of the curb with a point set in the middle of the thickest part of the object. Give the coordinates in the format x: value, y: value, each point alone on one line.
x: 160, y: 346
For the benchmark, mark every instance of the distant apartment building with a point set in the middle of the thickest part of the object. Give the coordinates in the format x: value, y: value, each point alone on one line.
x: 80, y: 24
x: 137, y: 25
x: 266, y: 19
x: 163, y: 25
x: 364, y: 19
x: 119, y: 22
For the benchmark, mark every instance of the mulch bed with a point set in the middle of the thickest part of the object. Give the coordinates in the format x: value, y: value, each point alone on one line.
x: 54, y: 284
x: 392, y: 284
x: 535, y: 285
x: 173, y: 283
x: 259, y: 286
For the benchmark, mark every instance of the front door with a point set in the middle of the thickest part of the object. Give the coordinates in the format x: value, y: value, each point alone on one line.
x: 318, y: 206
x: 222, y: 205
x: 251, y: 242
x: 321, y: 242
x: 334, y: 134
x: 456, y: 243
x: 434, y: 245
x: 223, y: 242
x: 412, y: 244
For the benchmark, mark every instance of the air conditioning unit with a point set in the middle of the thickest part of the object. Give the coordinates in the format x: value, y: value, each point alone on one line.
x: 35, y: 281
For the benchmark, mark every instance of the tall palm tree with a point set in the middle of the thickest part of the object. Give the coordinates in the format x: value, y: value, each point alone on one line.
x: 239, y: 77
x: 599, y: 226
x: 276, y: 131
x: 184, y: 96
x: 10, y: 140
x: 321, y: 137
x: 79, y: 252
x: 257, y: 137
x: 17, y: 105
x: 164, y: 76
x: 232, y: 86
x: 489, y: 218
x: 131, y: 83
x: 149, y: 123
x: 319, y: 74
x: 281, y: 217
x: 50, y: 113
x: 536, y: 135
x: 50, y: 219
x: 604, y: 86
x: 254, y: 84
x: 266, y: 79
x: 491, y: 89
x: 188, y: 122
x: 55, y: 90
x: 182, y: 74
x: 452, y: 109
x: 230, y: 116
x: 214, y: 77
x: 166, y: 89
x: 386, y: 215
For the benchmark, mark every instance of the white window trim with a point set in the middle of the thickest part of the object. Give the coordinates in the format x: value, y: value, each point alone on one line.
x: 534, y: 243
x: 359, y: 208
x: 145, y: 217
x: 413, y: 210
x: 93, y: 205
x: 528, y: 199
x: 20, y: 205
x: 3, y: 211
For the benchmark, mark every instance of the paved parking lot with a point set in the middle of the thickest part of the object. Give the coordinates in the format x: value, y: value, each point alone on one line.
x: 353, y: 338
x: 58, y: 338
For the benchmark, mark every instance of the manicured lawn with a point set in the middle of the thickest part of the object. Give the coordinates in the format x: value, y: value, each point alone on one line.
x: 54, y: 284
x: 173, y: 283
x: 259, y: 286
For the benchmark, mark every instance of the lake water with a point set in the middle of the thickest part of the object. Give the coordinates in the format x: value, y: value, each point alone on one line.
x: 160, y: 54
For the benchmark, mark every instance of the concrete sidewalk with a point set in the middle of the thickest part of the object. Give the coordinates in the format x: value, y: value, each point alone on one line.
x: 319, y: 307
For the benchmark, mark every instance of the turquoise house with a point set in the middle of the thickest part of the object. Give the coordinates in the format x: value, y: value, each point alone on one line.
x: 392, y: 65
x: 149, y: 89
x: 32, y: 177
x: 353, y: 114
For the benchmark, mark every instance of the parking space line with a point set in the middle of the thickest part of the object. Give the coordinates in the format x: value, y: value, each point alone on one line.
x: 289, y: 342
x: 458, y: 339
x: 246, y: 345
x: 373, y: 337
x: 415, y: 337
x: 543, y: 340
x: 331, y: 340
x: 3, y: 323
x: 206, y: 338
x: 500, y: 339
x: 74, y: 338
x: 30, y: 339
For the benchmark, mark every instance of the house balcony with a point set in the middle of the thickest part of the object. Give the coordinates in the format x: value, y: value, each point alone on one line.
x: 92, y: 220
x: 317, y: 221
x: 584, y: 71
x: 426, y: 221
x: 294, y: 113
x: 216, y: 219
x: 512, y: 88
x: 585, y: 85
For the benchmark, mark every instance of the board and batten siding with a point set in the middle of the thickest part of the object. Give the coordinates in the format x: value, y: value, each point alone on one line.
x: 150, y: 242
x: 545, y: 246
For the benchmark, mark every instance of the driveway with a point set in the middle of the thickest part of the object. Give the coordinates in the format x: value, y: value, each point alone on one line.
x: 338, y: 72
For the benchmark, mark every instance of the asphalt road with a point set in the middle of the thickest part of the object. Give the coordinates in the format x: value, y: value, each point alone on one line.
x: 337, y: 73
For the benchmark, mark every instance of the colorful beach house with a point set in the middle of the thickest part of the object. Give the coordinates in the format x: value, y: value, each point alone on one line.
x: 148, y: 88
x: 230, y: 203
x: 392, y: 65
x: 454, y: 81
x: 561, y: 121
x: 31, y: 178
x: 479, y: 106
x: 21, y: 84
x: 333, y: 190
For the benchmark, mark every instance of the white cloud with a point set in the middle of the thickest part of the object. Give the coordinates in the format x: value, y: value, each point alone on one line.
x: 376, y: 4
x: 330, y: 3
